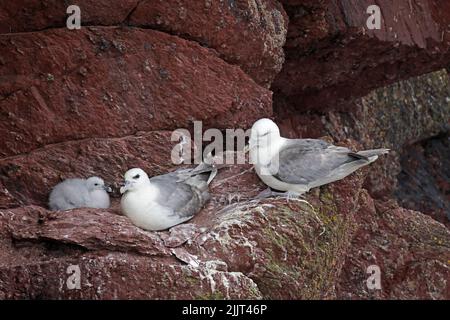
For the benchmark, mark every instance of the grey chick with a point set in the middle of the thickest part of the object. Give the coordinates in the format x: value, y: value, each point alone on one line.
x: 80, y: 193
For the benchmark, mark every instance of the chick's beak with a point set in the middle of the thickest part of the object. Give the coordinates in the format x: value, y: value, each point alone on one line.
x: 107, y: 188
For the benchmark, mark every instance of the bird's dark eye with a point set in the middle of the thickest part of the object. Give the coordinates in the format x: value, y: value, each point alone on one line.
x: 96, y: 184
x: 264, y: 134
x: 136, y: 176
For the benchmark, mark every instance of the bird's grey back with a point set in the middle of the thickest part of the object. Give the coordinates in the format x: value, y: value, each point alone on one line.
x: 185, y: 194
x: 302, y: 161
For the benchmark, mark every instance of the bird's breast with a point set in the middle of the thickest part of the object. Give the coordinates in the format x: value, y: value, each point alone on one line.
x: 260, y: 156
x: 146, y: 213
x: 99, y: 199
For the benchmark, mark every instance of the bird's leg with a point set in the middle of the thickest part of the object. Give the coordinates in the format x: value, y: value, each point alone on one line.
x: 265, y: 194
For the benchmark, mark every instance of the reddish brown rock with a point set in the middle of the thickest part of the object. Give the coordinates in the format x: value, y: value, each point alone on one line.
x: 331, y: 57
x: 411, y: 250
x: 225, y: 26
x: 220, y: 25
x: 113, y: 82
x: 291, y: 250
x: 34, y: 223
x: 123, y: 276
x: 116, y: 260
x: 7, y: 200
x: 424, y: 182
x: 30, y: 15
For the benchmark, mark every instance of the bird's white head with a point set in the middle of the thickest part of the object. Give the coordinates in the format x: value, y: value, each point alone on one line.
x: 265, y: 143
x: 264, y: 132
x: 96, y: 183
x: 134, y: 179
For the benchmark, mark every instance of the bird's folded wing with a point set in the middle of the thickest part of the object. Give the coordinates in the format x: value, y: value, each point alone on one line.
x: 185, y: 174
x: 177, y: 196
x: 302, y: 161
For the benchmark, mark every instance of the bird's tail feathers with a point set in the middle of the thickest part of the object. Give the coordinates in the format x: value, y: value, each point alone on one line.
x: 205, y: 171
x: 371, y: 155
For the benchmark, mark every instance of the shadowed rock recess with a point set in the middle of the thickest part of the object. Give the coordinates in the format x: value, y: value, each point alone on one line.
x: 107, y: 97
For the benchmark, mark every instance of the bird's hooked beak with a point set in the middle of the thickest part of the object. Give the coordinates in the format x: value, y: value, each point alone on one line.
x: 125, y: 187
x: 107, y: 188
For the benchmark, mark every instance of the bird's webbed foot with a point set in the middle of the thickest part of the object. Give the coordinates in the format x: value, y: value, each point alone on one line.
x: 291, y: 195
x: 288, y: 195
